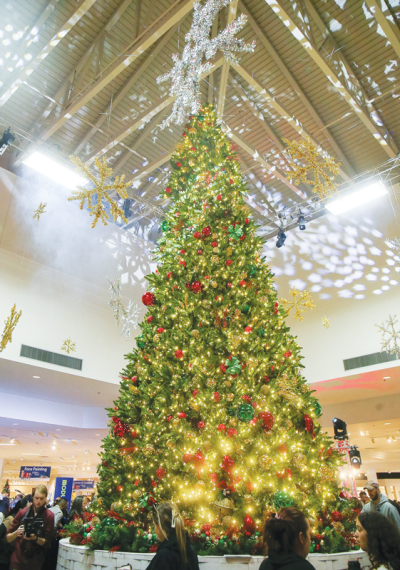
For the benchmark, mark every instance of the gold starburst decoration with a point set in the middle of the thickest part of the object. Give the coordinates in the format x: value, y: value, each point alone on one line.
x: 10, y: 324
x: 325, y: 322
x: 102, y: 189
x: 301, y: 300
x: 39, y: 211
x: 68, y: 346
x: 304, y: 158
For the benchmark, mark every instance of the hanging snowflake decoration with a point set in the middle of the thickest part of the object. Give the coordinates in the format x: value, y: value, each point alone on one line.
x: 10, y: 324
x: 325, y: 322
x: 301, y: 300
x: 101, y: 191
x: 129, y: 316
x: 39, y: 211
x: 395, y: 245
x: 387, y: 329
x: 304, y: 157
x: 187, y: 72
x: 68, y: 346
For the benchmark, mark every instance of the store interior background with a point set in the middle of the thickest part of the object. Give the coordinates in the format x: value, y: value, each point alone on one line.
x: 55, y: 271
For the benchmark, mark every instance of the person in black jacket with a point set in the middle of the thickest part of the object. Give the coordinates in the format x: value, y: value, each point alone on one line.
x: 175, y: 551
x: 5, y: 548
x: 287, y: 536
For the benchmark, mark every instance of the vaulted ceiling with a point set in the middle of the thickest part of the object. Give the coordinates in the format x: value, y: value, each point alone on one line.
x: 80, y: 78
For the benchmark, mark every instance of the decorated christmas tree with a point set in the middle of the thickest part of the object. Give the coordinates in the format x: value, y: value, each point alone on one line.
x: 6, y: 489
x: 213, y: 412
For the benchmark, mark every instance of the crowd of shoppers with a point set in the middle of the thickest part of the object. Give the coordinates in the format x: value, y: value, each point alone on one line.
x: 28, y: 531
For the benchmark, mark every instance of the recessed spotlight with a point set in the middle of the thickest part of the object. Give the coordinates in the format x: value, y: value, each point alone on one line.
x: 96, y: 434
x: 58, y: 429
x: 387, y: 377
x: 387, y: 423
x: 36, y: 376
x: 15, y: 424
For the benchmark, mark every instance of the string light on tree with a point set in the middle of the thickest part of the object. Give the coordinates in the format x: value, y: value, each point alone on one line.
x: 10, y: 324
x: 100, y: 190
x: 301, y: 300
x: 305, y: 157
x: 186, y: 74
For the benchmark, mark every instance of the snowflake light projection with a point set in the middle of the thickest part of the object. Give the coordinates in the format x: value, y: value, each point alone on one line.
x: 186, y: 73
x: 129, y: 316
x: 390, y: 336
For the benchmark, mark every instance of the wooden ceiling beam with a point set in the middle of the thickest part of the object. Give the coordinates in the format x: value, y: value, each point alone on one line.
x: 211, y: 96
x: 295, y: 86
x: 131, y: 81
x: 293, y: 122
x: 232, y: 11
x: 142, y: 119
x: 312, y: 51
x: 55, y: 40
x: 141, y: 44
x: 385, y: 19
x: 139, y: 140
x: 273, y: 170
x: 147, y: 170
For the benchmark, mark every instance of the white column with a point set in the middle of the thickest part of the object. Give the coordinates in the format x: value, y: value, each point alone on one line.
x: 371, y: 475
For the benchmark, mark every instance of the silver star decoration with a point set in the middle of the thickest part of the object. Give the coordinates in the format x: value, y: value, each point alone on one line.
x: 129, y: 316
x: 186, y: 73
x: 390, y: 344
x: 395, y: 245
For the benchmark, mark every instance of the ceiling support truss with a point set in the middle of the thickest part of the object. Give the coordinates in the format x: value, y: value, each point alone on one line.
x: 384, y: 18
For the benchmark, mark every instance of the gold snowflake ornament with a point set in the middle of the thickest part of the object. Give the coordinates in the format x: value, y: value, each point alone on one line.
x: 301, y: 300
x: 102, y: 189
x: 325, y: 322
x: 68, y: 346
x: 39, y: 211
x: 10, y: 324
x: 304, y: 158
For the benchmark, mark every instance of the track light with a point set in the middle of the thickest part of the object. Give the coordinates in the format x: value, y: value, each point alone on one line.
x: 6, y: 140
x: 281, y: 238
x: 355, y: 457
x: 302, y: 223
x: 340, y: 428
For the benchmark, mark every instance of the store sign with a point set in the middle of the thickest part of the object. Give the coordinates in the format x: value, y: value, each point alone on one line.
x: 81, y: 485
x: 63, y: 489
x: 42, y: 473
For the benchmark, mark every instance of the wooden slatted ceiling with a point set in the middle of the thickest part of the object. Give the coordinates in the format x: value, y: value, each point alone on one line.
x: 367, y: 52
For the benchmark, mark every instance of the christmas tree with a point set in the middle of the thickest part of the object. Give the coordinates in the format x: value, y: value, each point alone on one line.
x: 213, y: 412
x: 6, y: 489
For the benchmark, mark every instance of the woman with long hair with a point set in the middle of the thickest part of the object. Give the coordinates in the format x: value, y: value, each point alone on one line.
x: 381, y: 539
x: 76, y: 511
x: 175, y: 551
x: 287, y: 538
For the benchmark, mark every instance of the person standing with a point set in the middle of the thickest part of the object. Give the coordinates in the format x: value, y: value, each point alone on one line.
x: 287, y: 536
x: 58, y: 512
x: 30, y: 551
x: 380, y: 504
x: 380, y: 538
x: 364, y: 497
x: 4, y: 547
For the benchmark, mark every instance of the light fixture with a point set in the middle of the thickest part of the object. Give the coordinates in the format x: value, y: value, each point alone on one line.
x: 36, y: 377
x: 387, y: 424
x: 281, y: 238
x: 302, y: 223
x: 55, y: 170
x: 387, y: 377
x: 362, y: 433
x: 355, y: 457
x: 6, y: 140
x: 340, y: 428
x: 8, y: 444
x: 363, y: 194
x: 15, y: 424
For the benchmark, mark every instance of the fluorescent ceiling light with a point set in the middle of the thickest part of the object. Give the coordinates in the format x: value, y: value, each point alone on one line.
x: 365, y: 193
x: 36, y: 377
x: 54, y: 170
x: 386, y: 377
x: 8, y: 444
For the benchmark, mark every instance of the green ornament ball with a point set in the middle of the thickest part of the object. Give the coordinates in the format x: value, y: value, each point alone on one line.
x: 85, y: 535
x: 140, y: 341
x: 317, y: 408
x: 312, y: 546
x: 164, y: 226
x: 245, y: 309
x: 245, y: 412
x: 203, y: 535
x: 97, y: 526
x: 261, y: 332
x: 282, y: 499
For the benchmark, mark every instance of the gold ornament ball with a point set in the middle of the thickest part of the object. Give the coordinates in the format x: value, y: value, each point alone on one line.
x: 233, y: 422
x: 265, y: 389
x: 95, y: 520
x: 137, y: 493
x: 326, y: 473
x: 195, y: 333
x: 79, y: 521
x: 227, y: 521
x: 100, y: 501
x: 114, y: 506
x: 230, y: 397
x: 148, y: 449
x: 319, y: 489
x: 248, y: 499
x: 171, y: 444
x: 300, y: 460
x: 239, y: 450
x: 190, y: 434
x: 225, y: 506
x: 175, y: 422
x: 207, y: 446
x: 156, y: 338
x: 288, y: 423
x: 211, y: 382
x: 265, y: 462
x: 228, y: 383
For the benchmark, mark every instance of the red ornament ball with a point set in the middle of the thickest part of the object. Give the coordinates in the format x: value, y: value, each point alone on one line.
x: 229, y: 262
x: 196, y: 287
x: 119, y: 488
x: 217, y: 396
x: 206, y: 231
x: 182, y: 252
x: 223, y: 368
x: 168, y: 190
x: 197, y: 235
x: 149, y: 319
x: 182, y: 415
x: 169, y: 274
x: 248, y: 330
x: 154, y: 484
x: 282, y: 448
x: 336, y: 516
x: 178, y: 164
x: 230, y: 181
x: 231, y: 432
x: 181, y: 262
x: 200, y: 251
x: 160, y: 473
x: 246, y: 221
x: 187, y: 458
x: 242, y: 283
x: 195, y: 392
x: 160, y: 330
x: 229, y: 285
x: 214, y: 244
x: 246, y: 398
x: 148, y: 299
x: 268, y: 420
x: 219, y: 197
x: 179, y: 353
x: 193, y: 148
x: 201, y: 425
x: 221, y: 427
x: 266, y: 379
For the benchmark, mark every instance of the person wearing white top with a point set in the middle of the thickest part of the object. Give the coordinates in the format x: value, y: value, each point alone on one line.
x: 57, y: 510
x: 380, y: 538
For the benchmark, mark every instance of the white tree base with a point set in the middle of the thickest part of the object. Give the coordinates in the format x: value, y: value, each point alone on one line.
x: 72, y: 557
